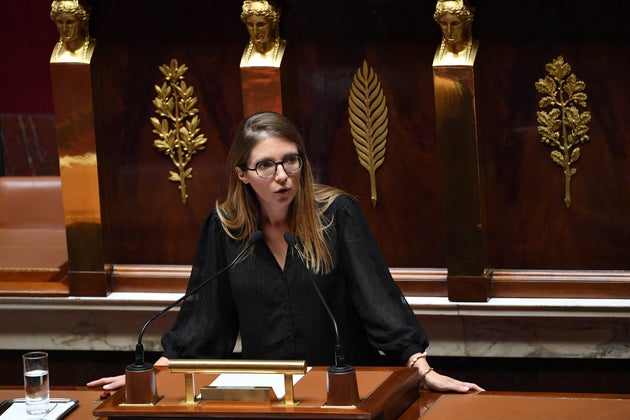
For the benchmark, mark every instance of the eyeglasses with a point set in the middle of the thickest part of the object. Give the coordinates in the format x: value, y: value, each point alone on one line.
x: 267, y: 168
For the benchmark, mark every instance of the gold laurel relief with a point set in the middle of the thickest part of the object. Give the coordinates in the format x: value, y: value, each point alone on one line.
x: 178, y: 124
x: 561, y: 124
x: 368, y: 122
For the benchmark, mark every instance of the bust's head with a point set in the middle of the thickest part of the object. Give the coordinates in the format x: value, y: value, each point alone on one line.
x: 261, y: 18
x: 454, y: 18
x: 71, y: 19
x: 459, y: 8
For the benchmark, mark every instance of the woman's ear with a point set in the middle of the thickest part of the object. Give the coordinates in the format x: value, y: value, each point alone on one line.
x: 241, y: 175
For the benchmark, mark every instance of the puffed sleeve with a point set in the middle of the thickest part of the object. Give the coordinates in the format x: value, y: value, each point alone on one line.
x: 388, y: 319
x: 206, y: 326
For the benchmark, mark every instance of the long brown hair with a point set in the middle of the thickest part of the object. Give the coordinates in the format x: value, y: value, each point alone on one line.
x: 240, y: 211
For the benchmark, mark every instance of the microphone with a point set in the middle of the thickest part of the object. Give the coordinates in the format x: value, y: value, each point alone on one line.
x: 139, y: 376
x: 341, y: 380
x: 339, y: 354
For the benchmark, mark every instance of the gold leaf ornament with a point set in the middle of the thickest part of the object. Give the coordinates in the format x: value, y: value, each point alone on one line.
x: 177, y: 126
x: 368, y: 122
x: 563, y: 126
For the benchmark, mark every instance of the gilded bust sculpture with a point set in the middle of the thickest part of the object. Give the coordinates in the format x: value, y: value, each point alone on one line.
x: 72, y: 21
x: 455, y: 19
x: 265, y: 48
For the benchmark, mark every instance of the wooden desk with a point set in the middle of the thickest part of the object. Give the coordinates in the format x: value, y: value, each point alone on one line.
x: 518, y: 406
x: 433, y: 405
x: 385, y: 393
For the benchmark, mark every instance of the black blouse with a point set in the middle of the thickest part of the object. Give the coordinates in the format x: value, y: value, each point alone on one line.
x: 279, y: 314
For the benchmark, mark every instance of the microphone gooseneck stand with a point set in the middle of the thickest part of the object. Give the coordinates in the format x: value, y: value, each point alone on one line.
x: 140, y: 386
x: 341, y: 379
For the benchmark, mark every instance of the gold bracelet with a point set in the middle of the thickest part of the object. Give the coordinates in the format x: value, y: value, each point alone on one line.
x: 415, y: 359
x: 422, y: 377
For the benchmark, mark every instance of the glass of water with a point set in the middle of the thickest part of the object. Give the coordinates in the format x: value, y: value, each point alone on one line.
x: 36, y: 386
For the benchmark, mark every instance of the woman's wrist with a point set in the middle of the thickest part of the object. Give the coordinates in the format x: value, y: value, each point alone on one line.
x: 415, y: 358
x: 423, y: 377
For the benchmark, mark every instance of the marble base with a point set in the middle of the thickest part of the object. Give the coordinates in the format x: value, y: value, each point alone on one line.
x: 85, y: 323
x: 536, y: 328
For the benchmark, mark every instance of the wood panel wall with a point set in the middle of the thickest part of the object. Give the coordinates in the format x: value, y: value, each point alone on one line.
x: 527, y: 225
x: 328, y: 42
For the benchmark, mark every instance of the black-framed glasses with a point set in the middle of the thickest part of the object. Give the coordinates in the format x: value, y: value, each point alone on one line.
x: 267, y: 168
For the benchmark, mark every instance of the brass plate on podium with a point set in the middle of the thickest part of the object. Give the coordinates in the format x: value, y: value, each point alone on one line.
x: 254, y: 393
x: 385, y: 393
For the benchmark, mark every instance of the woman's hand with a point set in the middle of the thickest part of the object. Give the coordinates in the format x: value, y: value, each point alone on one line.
x: 109, y: 383
x: 115, y: 382
x: 430, y: 379
x: 443, y: 383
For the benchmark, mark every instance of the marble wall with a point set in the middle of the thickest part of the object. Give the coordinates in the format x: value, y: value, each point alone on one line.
x: 504, y: 328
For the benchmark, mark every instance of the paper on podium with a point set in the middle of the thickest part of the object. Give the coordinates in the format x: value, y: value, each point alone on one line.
x: 273, y: 380
x: 57, y: 409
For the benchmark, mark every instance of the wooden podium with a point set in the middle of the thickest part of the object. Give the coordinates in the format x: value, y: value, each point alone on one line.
x: 505, y: 405
x: 385, y: 393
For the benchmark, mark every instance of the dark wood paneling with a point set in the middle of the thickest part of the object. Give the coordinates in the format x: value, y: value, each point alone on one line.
x: 561, y: 284
x: 148, y: 222
x: 528, y: 223
x: 527, y: 226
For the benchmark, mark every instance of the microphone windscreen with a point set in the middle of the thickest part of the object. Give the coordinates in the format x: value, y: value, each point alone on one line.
x: 256, y: 237
x: 289, y: 238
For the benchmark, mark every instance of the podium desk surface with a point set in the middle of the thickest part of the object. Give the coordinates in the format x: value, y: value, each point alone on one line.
x: 518, y: 406
x: 384, y: 392
x: 488, y: 405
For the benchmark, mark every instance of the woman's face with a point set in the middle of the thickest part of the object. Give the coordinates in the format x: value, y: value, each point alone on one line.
x: 452, y: 28
x: 259, y: 29
x: 68, y: 26
x: 278, y: 191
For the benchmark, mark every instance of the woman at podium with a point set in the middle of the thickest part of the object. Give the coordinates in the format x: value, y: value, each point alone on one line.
x: 268, y: 298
